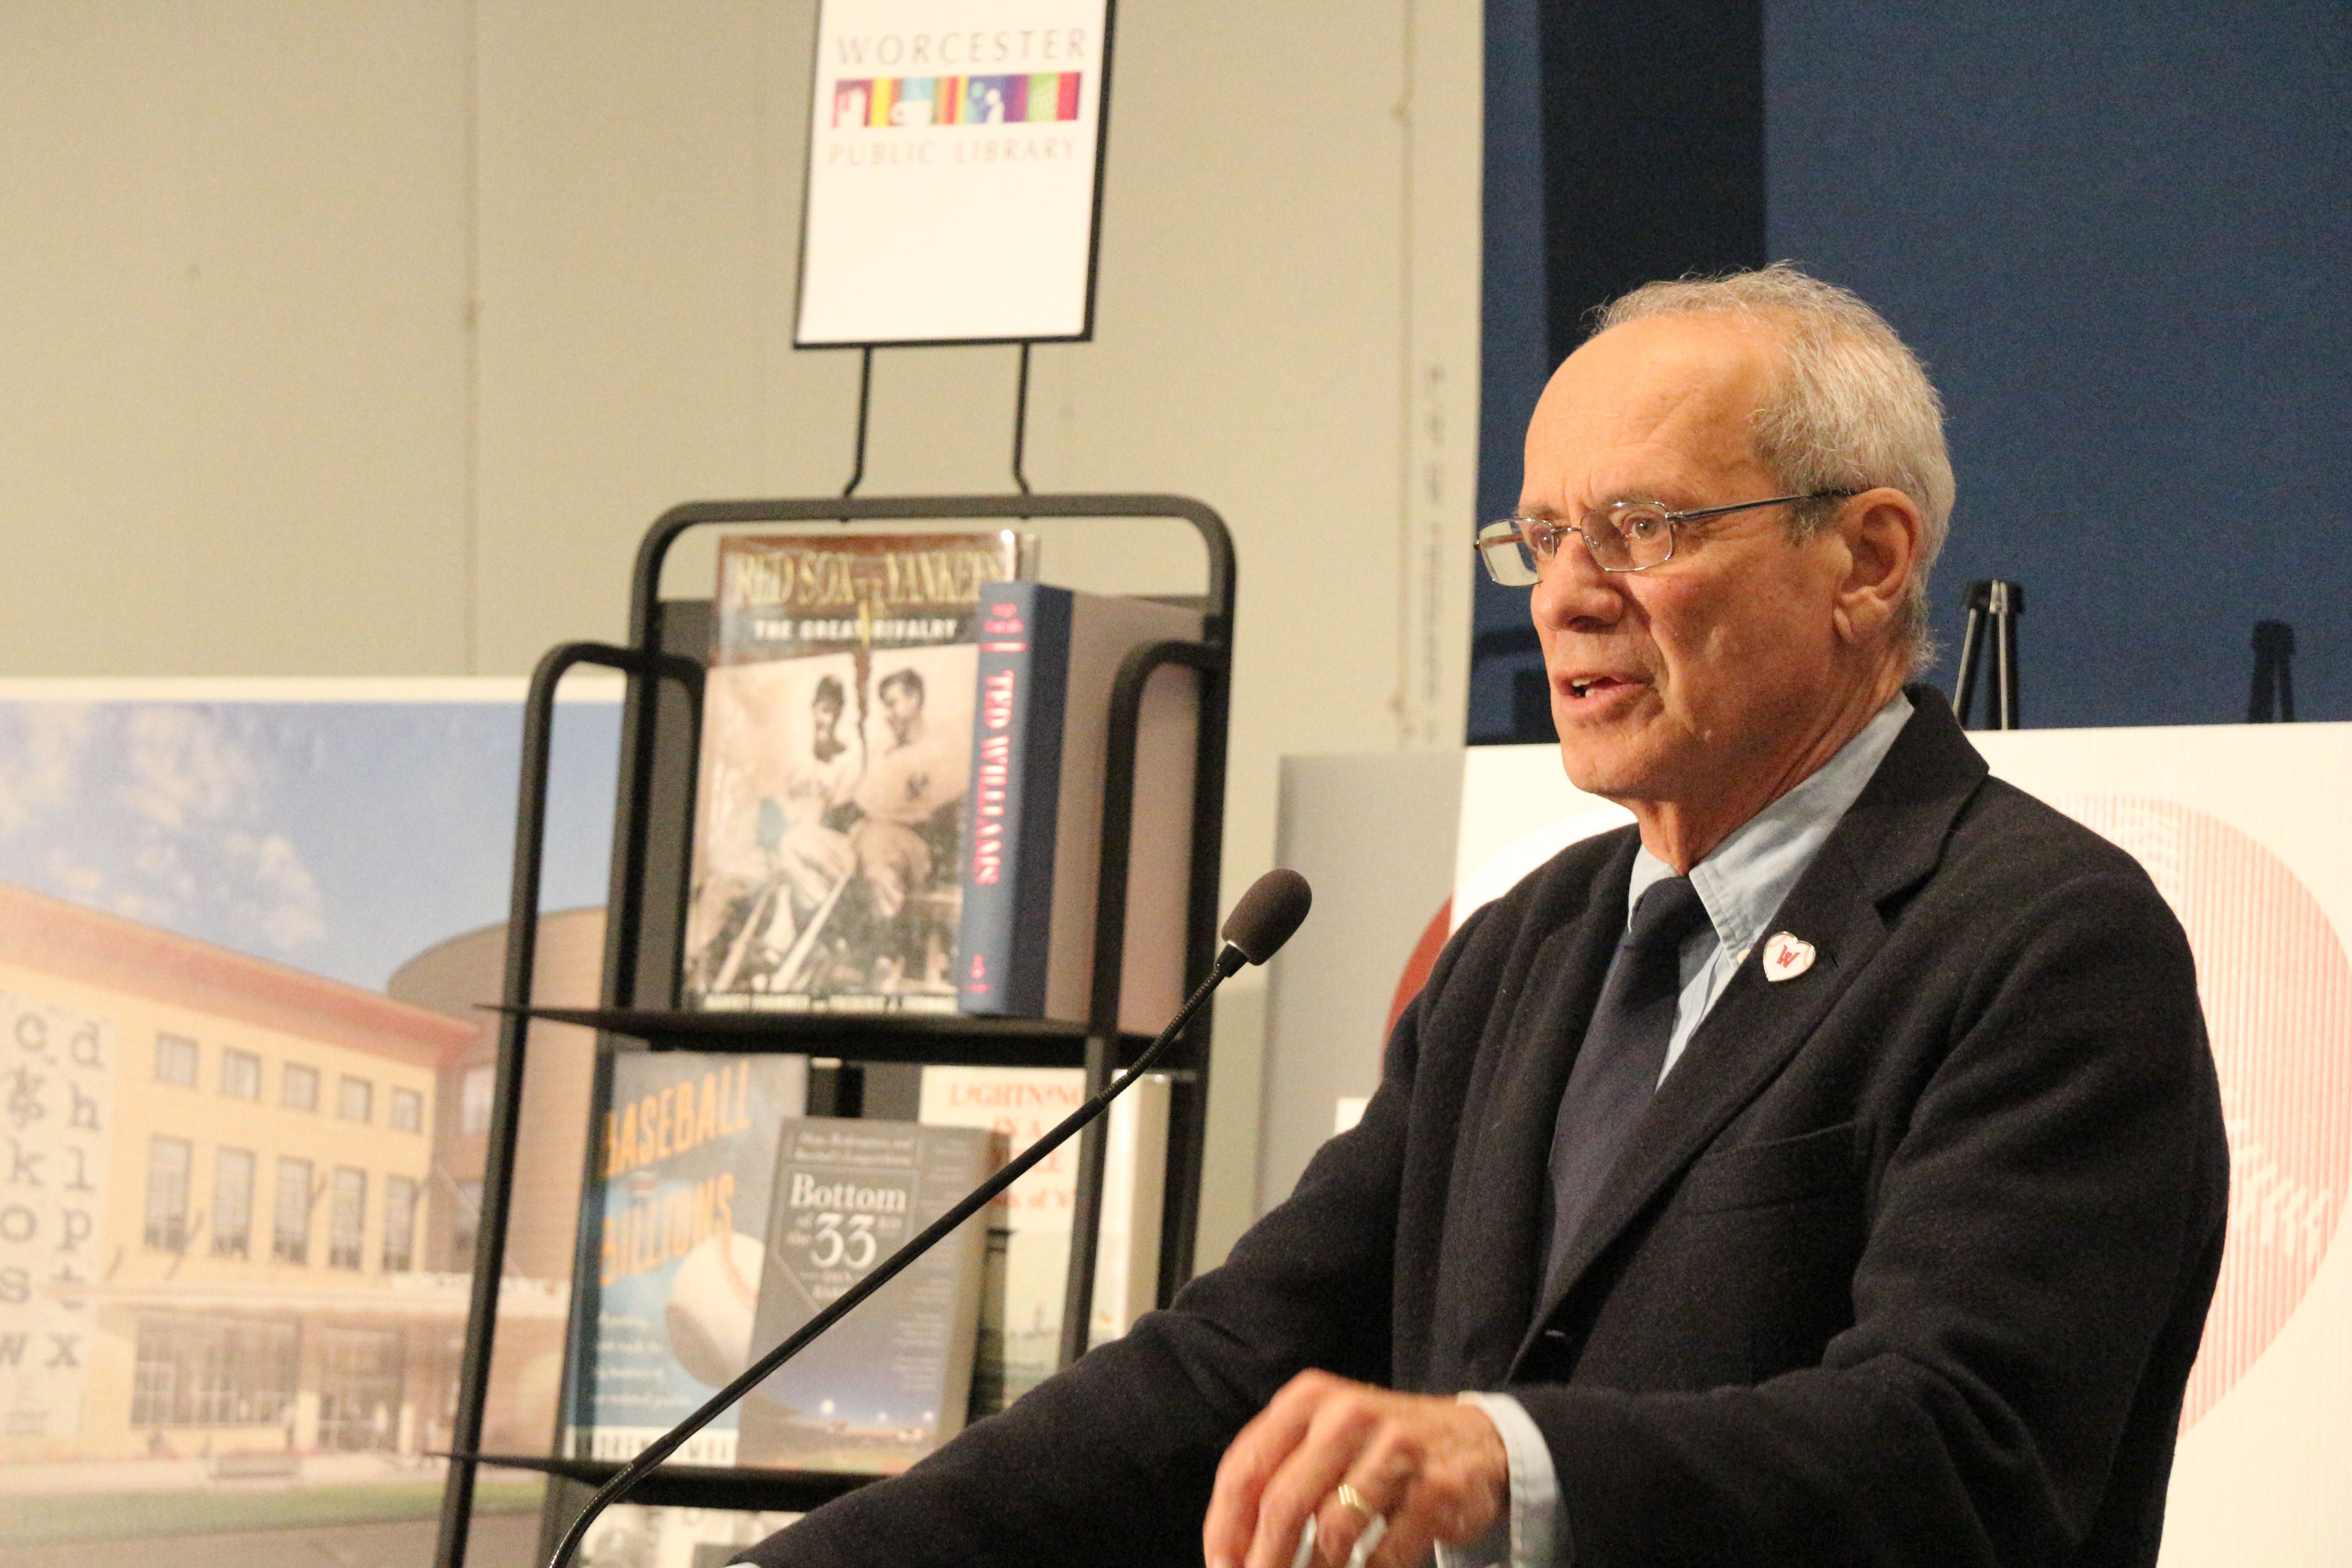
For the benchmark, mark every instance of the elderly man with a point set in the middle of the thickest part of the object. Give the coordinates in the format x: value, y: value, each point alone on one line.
x: 1828, y: 1169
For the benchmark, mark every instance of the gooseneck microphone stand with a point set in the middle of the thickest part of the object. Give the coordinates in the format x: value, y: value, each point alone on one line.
x: 1262, y: 921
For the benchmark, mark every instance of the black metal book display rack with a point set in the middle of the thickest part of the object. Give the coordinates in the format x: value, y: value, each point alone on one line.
x: 654, y: 811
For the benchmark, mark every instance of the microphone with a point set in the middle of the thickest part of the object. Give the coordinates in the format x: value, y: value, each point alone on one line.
x: 1261, y: 922
x: 1266, y: 916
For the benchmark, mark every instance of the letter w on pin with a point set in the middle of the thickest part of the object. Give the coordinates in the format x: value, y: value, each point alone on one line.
x: 1785, y: 956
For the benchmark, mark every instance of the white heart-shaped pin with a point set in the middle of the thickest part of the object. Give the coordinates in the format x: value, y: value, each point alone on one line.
x: 1785, y: 956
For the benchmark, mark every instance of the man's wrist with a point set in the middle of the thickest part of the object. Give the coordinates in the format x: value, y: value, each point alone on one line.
x: 1537, y: 1534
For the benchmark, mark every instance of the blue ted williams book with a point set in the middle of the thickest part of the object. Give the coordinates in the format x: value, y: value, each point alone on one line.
x: 1048, y: 660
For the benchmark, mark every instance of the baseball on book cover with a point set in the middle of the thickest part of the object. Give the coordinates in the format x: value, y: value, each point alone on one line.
x: 687, y: 1153
x: 892, y: 1380
x: 835, y: 754
x: 1048, y: 661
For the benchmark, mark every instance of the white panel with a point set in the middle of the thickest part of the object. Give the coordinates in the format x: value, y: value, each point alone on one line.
x: 1519, y: 810
x: 1369, y: 834
x: 2244, y: 829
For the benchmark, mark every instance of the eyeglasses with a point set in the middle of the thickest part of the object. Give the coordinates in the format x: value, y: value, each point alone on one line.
x: 1628, y: 536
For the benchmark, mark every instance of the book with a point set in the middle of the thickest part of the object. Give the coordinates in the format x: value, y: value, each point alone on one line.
x: 1134, y: 1204
x: 988, y: 1366
x: 687, y: 1156
x: 893, y: 1380
x: 1048, y: 659
x: 835, y: 754
x: 638, y: 1535
x: 1023, y: 1103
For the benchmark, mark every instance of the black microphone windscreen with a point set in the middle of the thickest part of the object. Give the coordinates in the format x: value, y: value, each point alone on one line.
x: 1267, y: 914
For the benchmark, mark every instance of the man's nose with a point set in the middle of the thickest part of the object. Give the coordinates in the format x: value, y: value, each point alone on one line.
x: 1572, y: 587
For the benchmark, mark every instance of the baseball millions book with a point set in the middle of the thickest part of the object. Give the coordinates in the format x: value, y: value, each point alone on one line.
x: 835, y: 756
x: 688, y: 1149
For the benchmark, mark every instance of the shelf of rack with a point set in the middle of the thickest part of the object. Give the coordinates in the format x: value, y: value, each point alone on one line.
x: 857, y: 1036
x: 699, y: 1485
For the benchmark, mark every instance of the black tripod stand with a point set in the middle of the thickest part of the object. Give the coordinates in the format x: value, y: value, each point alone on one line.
x: 2001, y: 603
x: 2273, y: 697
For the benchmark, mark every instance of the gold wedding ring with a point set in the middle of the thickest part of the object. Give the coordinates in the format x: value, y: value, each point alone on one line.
x: 1376, y: 1525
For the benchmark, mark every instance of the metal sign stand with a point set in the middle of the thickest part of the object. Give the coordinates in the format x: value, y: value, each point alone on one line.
x: 866, y: 406
x: 2001, y: 604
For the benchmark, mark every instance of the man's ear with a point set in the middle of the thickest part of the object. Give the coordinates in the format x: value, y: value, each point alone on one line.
x: 1880, y: 531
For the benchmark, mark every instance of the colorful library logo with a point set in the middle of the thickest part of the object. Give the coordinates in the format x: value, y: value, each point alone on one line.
x: 870, y: 101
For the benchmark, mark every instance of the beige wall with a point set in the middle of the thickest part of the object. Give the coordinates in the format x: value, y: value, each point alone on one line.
x: 366, y: 340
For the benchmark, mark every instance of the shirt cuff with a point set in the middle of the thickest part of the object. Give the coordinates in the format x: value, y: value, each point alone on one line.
x: 1532, y: 1531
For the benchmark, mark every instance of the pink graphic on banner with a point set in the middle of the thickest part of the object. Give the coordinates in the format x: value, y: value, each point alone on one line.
x: 2277, y: 991
x: 875, y: 102
x: 849, y: 100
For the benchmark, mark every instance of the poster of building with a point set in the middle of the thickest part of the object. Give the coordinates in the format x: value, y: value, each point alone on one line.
x: 245, y: 927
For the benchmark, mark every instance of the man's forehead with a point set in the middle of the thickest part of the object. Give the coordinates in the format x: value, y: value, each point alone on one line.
x: 1674, y: 391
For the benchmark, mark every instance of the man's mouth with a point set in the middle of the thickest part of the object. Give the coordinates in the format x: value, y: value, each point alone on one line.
x: 1581, y: 687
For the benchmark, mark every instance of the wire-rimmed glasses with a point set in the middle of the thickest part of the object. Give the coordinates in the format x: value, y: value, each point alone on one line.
x: 1626, y: 536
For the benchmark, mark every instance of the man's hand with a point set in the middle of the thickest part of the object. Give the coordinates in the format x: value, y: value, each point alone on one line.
x: 1434, y: 1469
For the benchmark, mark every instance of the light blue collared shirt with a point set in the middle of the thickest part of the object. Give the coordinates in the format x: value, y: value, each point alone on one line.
x: 1743, y: 882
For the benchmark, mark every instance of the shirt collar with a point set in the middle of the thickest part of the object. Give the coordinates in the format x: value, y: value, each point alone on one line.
x: 1744, y: 878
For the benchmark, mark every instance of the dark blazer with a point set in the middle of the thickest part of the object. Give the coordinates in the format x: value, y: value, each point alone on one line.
x: 1906, y: 1262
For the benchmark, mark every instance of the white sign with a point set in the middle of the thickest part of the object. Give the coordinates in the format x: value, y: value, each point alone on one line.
x: 953, y: 148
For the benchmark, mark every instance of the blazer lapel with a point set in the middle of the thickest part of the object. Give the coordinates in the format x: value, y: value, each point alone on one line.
x: 1889, y: 839
x: 1493, y: 1246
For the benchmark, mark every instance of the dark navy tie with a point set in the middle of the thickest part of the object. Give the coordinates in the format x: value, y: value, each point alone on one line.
x: 1623, y: 1053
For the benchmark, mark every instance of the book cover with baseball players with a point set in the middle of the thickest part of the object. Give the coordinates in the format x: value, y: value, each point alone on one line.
x: 892, y: 1380
x: 835, y: 756
x: 689, y: 1148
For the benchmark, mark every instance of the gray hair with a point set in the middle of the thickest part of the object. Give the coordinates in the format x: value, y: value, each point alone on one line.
x: 1853, y: 409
